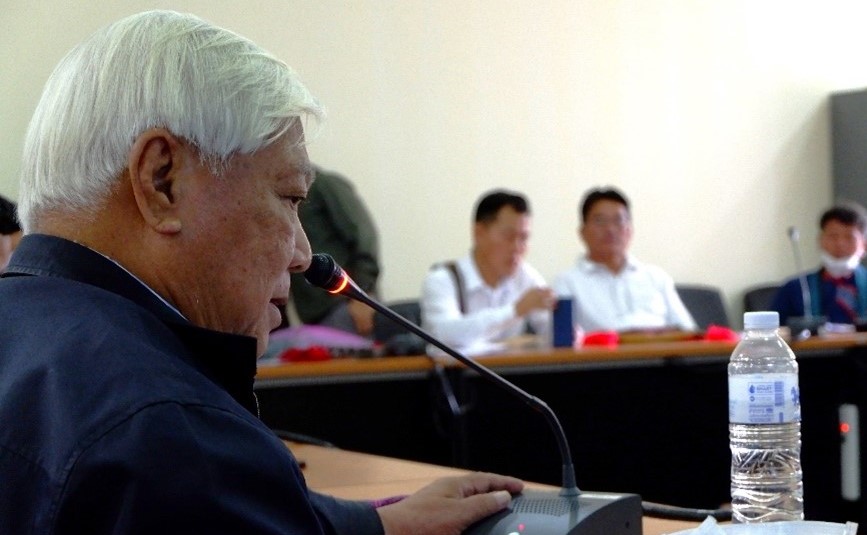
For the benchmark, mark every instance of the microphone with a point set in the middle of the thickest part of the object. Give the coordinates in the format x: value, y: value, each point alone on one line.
x: 795, y: 238
x: 567, y: 512
x: 806, y: 325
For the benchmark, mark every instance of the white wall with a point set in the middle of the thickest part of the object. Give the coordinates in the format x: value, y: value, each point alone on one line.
x: 711, y: 115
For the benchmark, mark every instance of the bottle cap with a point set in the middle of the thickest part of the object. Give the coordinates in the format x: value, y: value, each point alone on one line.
x: 761, y: 320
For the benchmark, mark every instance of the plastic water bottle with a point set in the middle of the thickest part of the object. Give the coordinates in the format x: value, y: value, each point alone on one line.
x: 765, y: 425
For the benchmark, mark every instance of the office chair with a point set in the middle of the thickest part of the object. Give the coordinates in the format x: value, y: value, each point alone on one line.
x: 760, y: 297
x: 396, y: 339
x: 705, y: 303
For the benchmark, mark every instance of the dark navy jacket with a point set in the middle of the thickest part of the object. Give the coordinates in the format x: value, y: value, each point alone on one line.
x: 119, y: 416
x: 789, y: 300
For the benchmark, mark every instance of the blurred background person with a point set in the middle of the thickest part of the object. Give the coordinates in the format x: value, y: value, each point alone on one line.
x: 838, y: 289
x: 610, y: 289
x: 491, y: 294
x: 337, y: 222
x: 10, y: 230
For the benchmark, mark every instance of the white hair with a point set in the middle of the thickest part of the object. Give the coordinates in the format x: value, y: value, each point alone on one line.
x: 205, y: 84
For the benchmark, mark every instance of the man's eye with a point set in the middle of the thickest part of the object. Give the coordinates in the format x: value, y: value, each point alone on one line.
x: 294, y: 200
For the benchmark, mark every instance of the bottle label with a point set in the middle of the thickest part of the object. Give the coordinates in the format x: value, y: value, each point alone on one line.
x: 764, y: 398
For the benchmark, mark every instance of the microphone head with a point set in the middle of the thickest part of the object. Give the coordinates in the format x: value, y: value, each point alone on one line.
x: 325, y: 273
x: 794, y: 235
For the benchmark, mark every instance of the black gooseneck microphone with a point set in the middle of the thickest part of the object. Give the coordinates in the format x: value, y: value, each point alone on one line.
x: 795, y: 238
x: 802, y: 326
x: 567, y: 512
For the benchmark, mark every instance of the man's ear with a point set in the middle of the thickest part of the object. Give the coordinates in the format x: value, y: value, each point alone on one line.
x: 155, y: 162
x: 479, y: 229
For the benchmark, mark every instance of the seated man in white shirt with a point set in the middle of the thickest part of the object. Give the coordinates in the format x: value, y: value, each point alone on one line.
x: 491, y: 294
x: 610, y: 290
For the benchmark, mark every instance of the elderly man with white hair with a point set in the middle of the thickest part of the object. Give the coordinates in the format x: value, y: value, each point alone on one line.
x: 162, y: 174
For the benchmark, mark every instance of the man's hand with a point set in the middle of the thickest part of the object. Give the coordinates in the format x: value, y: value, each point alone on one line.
x: 449, y: 505
x: 362, y: 317
x: 535, y: 299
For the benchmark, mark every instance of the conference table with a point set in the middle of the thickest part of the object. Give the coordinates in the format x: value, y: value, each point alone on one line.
x: 649, y: 418
x: 360, y: 476
x: 350, y: 369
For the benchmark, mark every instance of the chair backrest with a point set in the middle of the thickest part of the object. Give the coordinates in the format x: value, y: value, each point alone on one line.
x: 760, y: 297
x: 705, y: 303
x: 385, y: 328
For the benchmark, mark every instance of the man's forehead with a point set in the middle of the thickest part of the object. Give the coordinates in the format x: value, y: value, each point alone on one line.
x: 296, y: 164
x: 608, y: 205
x: 297, y: 174
x: 508, y: 211
x: 835, y: 227
x: 297, y: 161
x: 510, y: 219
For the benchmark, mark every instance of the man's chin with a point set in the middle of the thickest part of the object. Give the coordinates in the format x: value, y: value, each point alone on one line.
x: 272, y: 321
x: 274, y: 317
x: 261, y: 345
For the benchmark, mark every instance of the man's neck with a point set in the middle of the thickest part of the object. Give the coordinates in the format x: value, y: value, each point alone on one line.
x: 488, y: 274
x: 614, y: 264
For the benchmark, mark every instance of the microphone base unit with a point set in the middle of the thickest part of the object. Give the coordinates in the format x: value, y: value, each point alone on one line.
x: 533, y: 511
x: 805, y: 326
x: 547, y: 513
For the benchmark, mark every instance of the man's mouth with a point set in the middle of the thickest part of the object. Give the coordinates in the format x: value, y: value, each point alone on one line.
x: 280, y: 305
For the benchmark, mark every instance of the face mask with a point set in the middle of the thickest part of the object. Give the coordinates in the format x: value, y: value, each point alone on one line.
x: 840, y: 267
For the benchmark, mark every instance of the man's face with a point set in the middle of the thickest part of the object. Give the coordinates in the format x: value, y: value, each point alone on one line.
x: 501, y: 244
x: 607, y: 230
x: 840, y: 240
x: 244, y: 237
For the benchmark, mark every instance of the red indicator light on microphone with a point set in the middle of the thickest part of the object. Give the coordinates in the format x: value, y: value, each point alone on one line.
x: 343, y: 283
x: 844, y: 427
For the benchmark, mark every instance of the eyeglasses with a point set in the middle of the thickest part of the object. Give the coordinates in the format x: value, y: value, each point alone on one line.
x: 601, y: 221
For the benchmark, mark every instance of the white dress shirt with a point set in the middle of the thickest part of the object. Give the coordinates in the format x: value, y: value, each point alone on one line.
x: 490, y: 312
x: 641, y: 296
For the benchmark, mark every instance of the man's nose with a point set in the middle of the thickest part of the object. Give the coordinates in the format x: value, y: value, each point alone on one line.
x: 303, y: 254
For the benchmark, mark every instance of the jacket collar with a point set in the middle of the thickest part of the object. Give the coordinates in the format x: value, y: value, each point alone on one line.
x: 473, y: 280
x: 588, y: 265
x: 227, y: 359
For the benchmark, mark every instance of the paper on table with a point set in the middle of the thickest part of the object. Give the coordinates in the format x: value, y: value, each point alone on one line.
x: 710, y: 527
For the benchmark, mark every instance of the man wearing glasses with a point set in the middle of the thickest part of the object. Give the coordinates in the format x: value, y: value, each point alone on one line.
x: 611, y: 290
x: 492, y: 294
